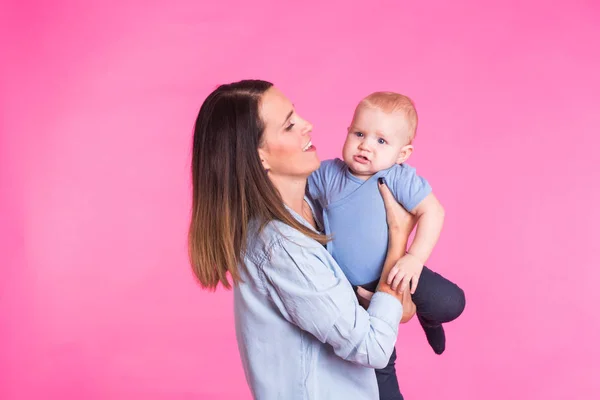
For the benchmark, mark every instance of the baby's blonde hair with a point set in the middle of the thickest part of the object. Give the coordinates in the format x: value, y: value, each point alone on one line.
x: 394, y: 103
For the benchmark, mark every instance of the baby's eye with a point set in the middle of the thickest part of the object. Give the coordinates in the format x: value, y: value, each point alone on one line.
x: 381, y: 141
x: 359, y: 134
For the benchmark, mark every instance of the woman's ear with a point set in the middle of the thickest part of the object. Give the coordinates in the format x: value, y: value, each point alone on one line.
x: 264, y: 159
x: 405, y: 153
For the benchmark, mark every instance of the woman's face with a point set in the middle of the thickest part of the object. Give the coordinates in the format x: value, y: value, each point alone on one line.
x: 286, y: 149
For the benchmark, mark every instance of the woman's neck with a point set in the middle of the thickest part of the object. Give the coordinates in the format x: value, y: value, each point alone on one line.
x: 292, y: 191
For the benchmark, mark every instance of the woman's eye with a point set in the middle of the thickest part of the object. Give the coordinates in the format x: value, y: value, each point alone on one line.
x: 381, y: 141
x: 289, y: 127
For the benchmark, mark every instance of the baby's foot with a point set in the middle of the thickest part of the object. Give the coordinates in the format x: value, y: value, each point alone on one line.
x: 435, y: 336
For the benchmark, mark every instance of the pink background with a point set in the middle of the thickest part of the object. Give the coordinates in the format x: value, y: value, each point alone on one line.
x: 97, y: 300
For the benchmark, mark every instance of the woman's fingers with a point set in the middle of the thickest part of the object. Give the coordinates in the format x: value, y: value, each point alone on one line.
x: 392, y: 208
x: 364, y: 297
x: 408, y: 307
x: 364, y: 293
x: 397, y: 217
x: 386, y: 193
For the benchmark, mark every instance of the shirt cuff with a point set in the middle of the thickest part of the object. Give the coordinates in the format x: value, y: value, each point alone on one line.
x: 386, y: 307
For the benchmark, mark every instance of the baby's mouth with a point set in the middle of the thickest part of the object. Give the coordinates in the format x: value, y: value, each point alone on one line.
x: 361, y: 159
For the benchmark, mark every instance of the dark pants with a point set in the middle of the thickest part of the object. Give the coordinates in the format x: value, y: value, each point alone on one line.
x: 438, y: 301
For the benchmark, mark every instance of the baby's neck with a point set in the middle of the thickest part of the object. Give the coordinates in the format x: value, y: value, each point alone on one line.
x: 362, y: 177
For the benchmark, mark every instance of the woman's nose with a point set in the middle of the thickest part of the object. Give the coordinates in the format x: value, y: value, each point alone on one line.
x: 307, y: 128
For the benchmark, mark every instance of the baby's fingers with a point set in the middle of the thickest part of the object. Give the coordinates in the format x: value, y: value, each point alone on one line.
x: 398, y: 279
x: 415, y: 282
x: 405, y: 287
x: 393, y: 272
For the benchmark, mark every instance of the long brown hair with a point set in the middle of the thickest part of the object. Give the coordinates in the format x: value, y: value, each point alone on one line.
x: 230, y: 185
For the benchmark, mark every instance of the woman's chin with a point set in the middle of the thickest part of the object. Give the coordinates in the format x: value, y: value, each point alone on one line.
x: 315, y: 166
x: 315, y: 162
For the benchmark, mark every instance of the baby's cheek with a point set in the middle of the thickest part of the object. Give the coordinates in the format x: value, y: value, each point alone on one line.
x: 386, y: 161
x: 347, y: 149
x: 347, y: 157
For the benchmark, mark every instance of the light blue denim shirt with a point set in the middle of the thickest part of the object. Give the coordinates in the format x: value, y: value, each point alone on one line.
x: 300, y: 330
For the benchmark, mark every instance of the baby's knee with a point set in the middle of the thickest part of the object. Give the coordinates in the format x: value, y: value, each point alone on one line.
x: 459, y: 304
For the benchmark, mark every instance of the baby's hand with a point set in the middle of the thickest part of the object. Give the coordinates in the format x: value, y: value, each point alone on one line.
x: 407, y: 269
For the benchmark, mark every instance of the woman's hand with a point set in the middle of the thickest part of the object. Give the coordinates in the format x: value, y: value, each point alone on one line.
x: 400, y: 225
x: 408, y: 307
x: 399, y: 220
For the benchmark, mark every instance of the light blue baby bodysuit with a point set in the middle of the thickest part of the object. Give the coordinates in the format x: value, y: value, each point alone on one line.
x: 354, y: 213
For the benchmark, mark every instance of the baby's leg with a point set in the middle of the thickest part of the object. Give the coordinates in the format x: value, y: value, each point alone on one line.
x: 438, y: 301
x: 387, y: 381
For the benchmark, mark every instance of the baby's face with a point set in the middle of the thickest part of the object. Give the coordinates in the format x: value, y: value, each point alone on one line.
x: 375, y: 141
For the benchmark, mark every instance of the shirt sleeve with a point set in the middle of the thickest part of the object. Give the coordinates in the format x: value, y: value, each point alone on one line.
x: 322, y: 179
x: 409, y: 188
x: 315, y: 185
x: 311, y: 296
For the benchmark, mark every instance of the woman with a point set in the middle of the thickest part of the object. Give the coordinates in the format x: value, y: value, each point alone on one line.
x: 300, y: 329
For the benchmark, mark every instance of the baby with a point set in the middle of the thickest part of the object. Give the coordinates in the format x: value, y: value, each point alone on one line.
x: 378, y: 144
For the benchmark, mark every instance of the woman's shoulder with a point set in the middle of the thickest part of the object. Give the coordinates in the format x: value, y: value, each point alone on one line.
x: 277, y: 235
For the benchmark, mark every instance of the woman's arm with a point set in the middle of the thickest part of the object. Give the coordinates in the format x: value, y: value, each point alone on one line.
x: 311, y: 292
x: 400, y: 225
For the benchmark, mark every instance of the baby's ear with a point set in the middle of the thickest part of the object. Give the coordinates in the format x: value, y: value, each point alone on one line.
x: 405, y: 153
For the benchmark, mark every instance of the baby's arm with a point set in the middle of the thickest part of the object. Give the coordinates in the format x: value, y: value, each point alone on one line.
x: 430, y: 220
